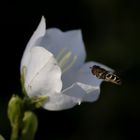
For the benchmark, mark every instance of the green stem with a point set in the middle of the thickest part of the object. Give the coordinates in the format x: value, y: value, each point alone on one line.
x: 15, y: 132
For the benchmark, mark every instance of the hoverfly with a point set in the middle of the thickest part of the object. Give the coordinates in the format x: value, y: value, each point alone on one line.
x: 108, y: 76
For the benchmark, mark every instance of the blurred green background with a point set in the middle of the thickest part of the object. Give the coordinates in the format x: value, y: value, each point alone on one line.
x: 111, y: 35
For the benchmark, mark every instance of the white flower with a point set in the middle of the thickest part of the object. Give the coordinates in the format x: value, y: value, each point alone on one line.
x: 55, y: 67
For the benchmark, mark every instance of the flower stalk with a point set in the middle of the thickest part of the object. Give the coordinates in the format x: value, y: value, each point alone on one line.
x: 15, y: 132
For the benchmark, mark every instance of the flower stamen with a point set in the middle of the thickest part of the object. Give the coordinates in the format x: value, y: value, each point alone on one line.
x: 63, y: 58
x: 70, y: 65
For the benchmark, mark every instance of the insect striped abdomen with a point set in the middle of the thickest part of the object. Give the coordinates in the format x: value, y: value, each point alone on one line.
x: 101, y: 73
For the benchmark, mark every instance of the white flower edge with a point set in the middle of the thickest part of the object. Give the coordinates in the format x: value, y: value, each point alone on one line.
x: 39, y: 32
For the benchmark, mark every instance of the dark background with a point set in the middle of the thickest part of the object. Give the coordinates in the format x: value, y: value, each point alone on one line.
x: 111, y: 35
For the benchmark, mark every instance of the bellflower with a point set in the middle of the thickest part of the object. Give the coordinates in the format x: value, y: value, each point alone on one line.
x: 54, y: 66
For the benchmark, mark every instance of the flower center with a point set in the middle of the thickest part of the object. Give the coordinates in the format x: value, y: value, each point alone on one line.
x: 65, y: 59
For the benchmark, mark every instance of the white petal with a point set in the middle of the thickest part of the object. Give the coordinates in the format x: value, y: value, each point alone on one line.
x: 67, y: 99
x: 59, y: 102
x: 55, y: 41
x: 74, y: 95
x: 40, y: 31
x: 86, y: 93
x: 91, y: 92
x: 68, y: 78
x: 43, y: 75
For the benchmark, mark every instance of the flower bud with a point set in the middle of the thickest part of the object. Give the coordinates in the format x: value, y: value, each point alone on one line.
x: 15, y: 108
x: 29, y: 127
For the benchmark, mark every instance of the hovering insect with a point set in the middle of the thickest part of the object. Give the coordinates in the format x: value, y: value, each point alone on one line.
x: 108, y: 76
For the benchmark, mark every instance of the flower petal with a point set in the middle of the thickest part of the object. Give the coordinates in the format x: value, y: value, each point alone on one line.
x: 72, y: 96
x: 40, y: 31
x: 66, y: 99
x: 43, y: 75
x: 91, y: 93
x: 57, y: 41
x: 86, y: 93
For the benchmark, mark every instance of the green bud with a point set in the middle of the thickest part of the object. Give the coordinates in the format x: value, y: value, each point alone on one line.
x: 15, y: 108
x: 29, y: 127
